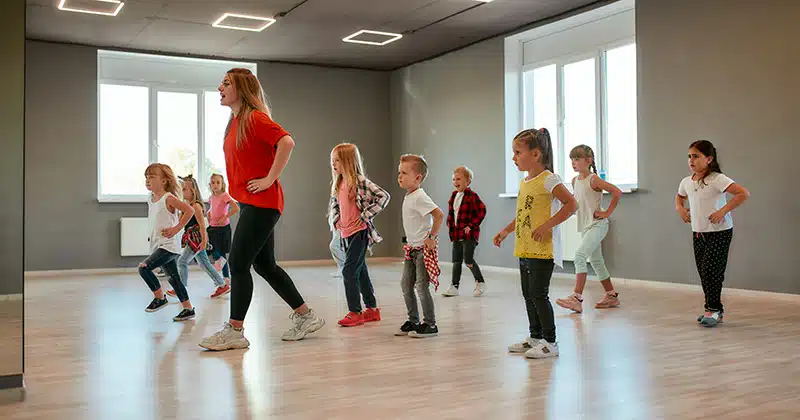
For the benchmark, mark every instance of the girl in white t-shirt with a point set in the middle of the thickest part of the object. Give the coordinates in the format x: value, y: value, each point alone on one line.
x: 709, y: 215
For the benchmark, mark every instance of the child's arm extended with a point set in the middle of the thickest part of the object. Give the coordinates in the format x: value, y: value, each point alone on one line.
x: 501, y: 236
x: 602, y: 185
x: 438, y: 216
x: 379, y: 199
x: 740, y: 194
x: 569, y: 207
x: 186, y: 214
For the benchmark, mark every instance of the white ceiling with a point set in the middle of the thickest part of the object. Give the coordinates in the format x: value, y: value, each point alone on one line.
x: 310, y: 33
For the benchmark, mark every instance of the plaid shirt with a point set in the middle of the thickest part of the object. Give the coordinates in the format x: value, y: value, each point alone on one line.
x: 370, y: 200
x: 431, y: 257
x: 470, y: 214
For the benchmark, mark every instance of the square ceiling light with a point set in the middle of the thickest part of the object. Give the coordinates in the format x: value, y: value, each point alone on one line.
x: 94, y: 7
x: 243, y: 22
x: 368, y: 37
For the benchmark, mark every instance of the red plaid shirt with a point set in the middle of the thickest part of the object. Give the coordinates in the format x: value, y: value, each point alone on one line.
x: 431, y: 261
x: 470, y: 214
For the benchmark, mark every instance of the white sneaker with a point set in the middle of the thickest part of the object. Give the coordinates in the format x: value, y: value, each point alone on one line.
x: 452, y: 291
x: 226, y: 339
x: 526, y: 344
x: 542, y: 350
x: 303, y: 325
x: 480, y: 288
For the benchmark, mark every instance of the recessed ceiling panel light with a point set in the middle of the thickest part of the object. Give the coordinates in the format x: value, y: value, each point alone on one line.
x: 94, y: 7
x: 372, y: 37
x: 243, y: 22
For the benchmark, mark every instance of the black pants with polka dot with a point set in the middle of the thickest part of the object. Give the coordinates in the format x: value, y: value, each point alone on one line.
x: 711, y: 256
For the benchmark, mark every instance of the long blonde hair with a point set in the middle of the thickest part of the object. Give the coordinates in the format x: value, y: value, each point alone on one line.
x: 351, y: 166
x: 253, y: 99
x: 165, y: 172
x: 196, y: 196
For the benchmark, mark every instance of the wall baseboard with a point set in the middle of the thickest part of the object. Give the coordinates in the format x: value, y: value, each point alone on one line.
x: 11, y: 297
x: 654, y: 284
x: 11, y: 381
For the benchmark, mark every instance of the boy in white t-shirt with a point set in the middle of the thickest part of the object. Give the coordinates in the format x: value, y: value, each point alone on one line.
x: 712, y: 225
x: 422, y: 220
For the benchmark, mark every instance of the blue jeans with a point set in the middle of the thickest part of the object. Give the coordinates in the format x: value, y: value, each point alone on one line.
x: 355, y: 273
x: 591, y: 249
x: 202, y: 259
x: 337, y: 252
x: 225, y: 270
x: 166, y: 260
x: 535, y: 274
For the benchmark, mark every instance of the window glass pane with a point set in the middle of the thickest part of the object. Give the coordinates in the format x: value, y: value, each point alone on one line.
x: 621, y: 114
x: 580, y: 109
x: 541, y: 93
x: 177, y: 132
x: 215, y: 120
x: 124, y: 139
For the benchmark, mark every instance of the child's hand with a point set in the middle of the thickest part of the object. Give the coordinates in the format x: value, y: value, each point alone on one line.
x: 500, y: 237
x: 466, y: 230
x: 717, y: 217
x: 685, y: 216
x: 541, y: 233
x: 170, y: 232
x: 430, y: 244
x: 601, y: 215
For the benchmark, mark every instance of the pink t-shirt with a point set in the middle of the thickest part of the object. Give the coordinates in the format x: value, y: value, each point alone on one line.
x: 350, y: 221
x: 220, y: 205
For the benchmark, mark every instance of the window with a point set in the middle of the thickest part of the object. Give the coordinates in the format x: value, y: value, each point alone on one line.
x: 597, y: 99
x: 577, y: 78
x: 158, y: 109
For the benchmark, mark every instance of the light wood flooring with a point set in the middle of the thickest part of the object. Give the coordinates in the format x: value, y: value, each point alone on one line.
x: 92, y: 353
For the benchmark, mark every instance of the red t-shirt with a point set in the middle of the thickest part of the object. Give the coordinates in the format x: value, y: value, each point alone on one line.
x: 254, y: 160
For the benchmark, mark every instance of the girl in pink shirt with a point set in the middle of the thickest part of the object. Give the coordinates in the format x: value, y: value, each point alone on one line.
x: 219, y: 224
x: 355, y: 201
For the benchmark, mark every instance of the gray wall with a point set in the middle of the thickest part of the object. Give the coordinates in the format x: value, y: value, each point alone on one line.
x: 66, y: 228
x: 12, y: 144
x: 721, y: 70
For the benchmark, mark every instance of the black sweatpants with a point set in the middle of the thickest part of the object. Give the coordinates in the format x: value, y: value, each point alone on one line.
x: 711, y: 256
x: 254, y: 246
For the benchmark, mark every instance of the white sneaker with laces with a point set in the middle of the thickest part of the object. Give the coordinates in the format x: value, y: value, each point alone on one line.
x: 542, y: 350
x: 452, y: 291
x: 225, y: 339
x: 480, y: 288
x: 302, y: 325
x: 523, y: 346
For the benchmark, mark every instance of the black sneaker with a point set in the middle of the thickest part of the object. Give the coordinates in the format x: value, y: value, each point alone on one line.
x: 157, y: 304
x: 425, y: 331
x: 406, y: 328
x: 185, y: 315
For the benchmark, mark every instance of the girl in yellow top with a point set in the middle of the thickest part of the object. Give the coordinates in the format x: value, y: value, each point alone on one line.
x: 543, y: 203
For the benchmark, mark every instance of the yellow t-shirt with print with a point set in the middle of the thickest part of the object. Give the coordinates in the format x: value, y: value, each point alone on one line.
x: 534, y: 208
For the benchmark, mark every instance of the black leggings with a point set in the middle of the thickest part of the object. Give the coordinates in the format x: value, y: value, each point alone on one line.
x: 254, y: 246
x: 711, y: 256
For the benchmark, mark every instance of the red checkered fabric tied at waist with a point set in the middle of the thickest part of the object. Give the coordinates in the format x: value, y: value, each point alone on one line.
x: 431, y: 261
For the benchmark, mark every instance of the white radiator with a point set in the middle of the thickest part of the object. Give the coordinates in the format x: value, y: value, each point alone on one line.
x: 133, y: 237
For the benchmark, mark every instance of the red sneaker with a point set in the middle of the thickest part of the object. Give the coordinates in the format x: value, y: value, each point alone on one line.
x: 372, y: 315
x: 221, y: 291
x: 352, y: 319
x: 171, y: 293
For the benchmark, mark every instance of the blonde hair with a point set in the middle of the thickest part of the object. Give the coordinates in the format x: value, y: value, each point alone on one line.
x: 196, y: 196
x: 467, y: 172
x: 418, y: 163
x: 350, y: 163
x: 160, y: 169
x: 253, y: 99
x: 221, y: 180
x: 583, y: 151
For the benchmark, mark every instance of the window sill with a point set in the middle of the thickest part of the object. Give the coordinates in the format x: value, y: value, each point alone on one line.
x: 625, y: 188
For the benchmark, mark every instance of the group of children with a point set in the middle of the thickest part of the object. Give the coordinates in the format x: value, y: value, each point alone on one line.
x: 543, y: 204
x: 178, y: 235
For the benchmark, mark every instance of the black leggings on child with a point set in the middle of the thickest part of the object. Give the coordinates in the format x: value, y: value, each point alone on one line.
x: 711, y: 256
x: 254, y: 246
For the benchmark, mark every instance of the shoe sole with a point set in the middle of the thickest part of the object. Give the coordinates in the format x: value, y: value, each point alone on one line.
x: 221, y: 294
x: 400, y: 333
x: 241, y: 343
x: 176, y: 319
x: 157, y: 308
x: 310, y: 330
x: 566, y: 306
x: 422, y: 335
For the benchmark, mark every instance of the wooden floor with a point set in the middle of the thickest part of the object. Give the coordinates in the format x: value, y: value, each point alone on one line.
x: 92, y: 353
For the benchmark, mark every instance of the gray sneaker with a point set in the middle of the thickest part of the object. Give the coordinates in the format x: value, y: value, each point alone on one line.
x: 225, y: 339
x: 302, y: 325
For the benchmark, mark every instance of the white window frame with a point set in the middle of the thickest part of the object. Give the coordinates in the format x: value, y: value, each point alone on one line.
x: 601, y: 107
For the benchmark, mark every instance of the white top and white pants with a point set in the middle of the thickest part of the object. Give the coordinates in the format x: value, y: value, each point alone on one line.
x: 592, y: 230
